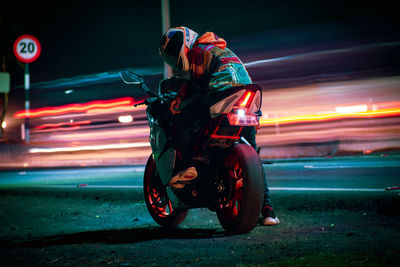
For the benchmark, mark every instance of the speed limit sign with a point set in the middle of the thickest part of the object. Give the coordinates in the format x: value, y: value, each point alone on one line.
x: 27, y: 48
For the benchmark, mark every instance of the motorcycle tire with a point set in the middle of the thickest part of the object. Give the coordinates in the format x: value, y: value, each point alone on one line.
x: 156, y: 198
x: 241, y: 213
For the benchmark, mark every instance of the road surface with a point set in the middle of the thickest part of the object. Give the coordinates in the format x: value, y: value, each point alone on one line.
x: 331, y: 210
x: 366, y: 173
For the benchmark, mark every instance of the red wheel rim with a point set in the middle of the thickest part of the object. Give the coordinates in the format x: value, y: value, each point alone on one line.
x: 158, y: 202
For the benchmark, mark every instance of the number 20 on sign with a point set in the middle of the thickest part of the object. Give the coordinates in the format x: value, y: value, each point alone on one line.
x: 27, y: 48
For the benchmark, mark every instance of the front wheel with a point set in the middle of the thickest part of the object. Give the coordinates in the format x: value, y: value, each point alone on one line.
x: 156, y: 198
x: 243, y: 170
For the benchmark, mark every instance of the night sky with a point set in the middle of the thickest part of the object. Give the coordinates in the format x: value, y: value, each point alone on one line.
x: 86, y: 37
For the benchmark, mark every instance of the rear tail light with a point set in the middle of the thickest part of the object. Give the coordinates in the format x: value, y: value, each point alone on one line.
x: 245, y: 100
x: 239, y: 115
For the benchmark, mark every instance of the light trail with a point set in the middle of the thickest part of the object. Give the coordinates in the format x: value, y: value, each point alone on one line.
x: 77, y: 108
x: 320, y: 53
x: 83, y: 148
x: 62, y: 124
x: 390, y: 112
x: 104, y: 134
x: 115, y: 109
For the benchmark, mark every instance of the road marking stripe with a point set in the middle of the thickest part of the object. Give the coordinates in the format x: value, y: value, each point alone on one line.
x: 349, y: 166
x: 271, y: 188
x: 327, y: 189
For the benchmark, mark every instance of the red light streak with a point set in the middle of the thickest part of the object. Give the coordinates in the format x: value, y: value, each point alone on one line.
x: 390, y: 112
x: 62, y: 124
x: 76, y: 108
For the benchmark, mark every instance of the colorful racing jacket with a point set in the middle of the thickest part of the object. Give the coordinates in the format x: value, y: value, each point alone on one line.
x: 213, y: 66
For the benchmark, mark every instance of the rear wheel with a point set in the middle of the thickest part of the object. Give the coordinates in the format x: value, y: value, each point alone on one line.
x: 157, y: 201
x: 242, y: 167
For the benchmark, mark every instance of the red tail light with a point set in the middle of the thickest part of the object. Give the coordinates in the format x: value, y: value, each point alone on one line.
x: 239, y: 115
x: 245, y: 100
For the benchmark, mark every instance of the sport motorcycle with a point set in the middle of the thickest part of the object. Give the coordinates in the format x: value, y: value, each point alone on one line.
x: 230, y: 178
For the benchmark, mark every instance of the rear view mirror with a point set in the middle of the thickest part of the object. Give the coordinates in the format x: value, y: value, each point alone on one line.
x: 131, y: 78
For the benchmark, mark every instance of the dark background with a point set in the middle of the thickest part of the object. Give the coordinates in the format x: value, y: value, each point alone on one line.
x: 85, y: 37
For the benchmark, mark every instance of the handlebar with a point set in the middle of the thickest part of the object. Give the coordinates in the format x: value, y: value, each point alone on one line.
x: 147, y: 101
x: 132, y: 78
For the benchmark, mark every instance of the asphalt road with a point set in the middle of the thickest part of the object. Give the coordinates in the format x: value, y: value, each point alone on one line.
x: 333, y: 210
x: 358, y: 174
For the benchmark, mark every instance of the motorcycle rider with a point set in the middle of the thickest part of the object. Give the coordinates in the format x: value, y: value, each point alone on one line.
x: 209, y: 66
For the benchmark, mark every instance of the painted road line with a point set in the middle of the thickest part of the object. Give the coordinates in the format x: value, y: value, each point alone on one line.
x: 328, y: 189
x: 350, y: 166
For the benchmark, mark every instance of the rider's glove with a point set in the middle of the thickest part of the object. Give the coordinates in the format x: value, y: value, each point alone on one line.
x: 175, y: 104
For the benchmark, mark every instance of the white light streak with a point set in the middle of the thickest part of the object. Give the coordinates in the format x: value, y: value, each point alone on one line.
x: 263, y: 61
x: 352, y: 109
x: 125, y: 119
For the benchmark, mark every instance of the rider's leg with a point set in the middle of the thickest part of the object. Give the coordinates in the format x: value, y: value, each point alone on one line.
x: 184, y: 123
x: 183, y: 140
x: 249, y: 133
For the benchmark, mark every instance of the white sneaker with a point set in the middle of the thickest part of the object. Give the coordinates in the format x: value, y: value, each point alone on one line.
x: 269, y: 216
x: 183, y: 177
x: 271, y: 221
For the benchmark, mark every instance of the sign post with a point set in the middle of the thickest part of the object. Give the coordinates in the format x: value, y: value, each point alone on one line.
x: 165, y: 28
x: 27, y: 49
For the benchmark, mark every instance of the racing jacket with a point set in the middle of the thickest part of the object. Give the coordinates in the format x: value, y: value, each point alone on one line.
x: 213, y: 66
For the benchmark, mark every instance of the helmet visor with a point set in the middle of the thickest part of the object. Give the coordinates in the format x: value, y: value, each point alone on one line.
x: 171, y: 46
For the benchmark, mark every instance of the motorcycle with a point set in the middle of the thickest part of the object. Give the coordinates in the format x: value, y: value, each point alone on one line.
x: 230, y: 178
